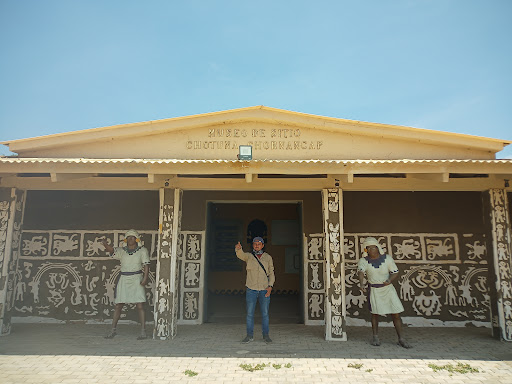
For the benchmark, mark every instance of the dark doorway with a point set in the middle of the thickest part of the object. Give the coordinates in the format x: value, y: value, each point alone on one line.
x: 280, y: 225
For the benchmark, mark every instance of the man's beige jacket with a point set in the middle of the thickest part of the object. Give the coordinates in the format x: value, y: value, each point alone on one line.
x: 256, y: 278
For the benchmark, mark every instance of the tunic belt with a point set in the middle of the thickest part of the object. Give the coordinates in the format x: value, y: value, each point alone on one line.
x: 124, y: 274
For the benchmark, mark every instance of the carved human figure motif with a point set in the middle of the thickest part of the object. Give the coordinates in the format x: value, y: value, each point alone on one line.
x: 502, y: 252
x: 336, y: 304
x: 507, y: 308
x: 337, y: 325
x: 451, y: 295
x: 162, y: 305
x: 505, y: 290
x: 504, y: 270
x: 163, y: 285
x: 406, y: 289
x: 509, y: 329
x: 314, y: 248
x: 161, y: 327
x: 315, y: 280
x: 500, y: 214
x: 190, y: 305
x: 191, y: 271
x: 193, y: 247
x: 499, y: 232
x: 315, y: 305
x: 498, y: 198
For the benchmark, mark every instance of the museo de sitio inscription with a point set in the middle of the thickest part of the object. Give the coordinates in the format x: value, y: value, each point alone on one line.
x: 261, y: 139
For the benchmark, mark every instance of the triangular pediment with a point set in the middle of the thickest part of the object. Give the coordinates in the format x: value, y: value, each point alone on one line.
x: 273, y: 134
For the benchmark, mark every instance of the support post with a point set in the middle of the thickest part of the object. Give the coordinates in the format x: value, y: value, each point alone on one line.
x: 167, y: 279
x: 12, y: 205
x: 335, y: 308
x: 501, y: 293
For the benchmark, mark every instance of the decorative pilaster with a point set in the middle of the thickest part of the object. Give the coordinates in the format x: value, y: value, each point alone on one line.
x: 502, y: 258
x: 192, y: 277
x: 167, y: 279
x: 335, y: 306
x: 314, y: 279
x: 12, y: 204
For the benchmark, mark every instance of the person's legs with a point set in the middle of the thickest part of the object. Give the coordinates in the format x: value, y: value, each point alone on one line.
x: 142, y: 320
x: 117, y: 315
x: 375, y: 330
x: 251, y: 296
x: 397, y: 322
x: 264, y: 306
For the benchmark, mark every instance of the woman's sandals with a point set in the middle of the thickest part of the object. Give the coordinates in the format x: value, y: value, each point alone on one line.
x: 404, y: 344
x: 112, y: 334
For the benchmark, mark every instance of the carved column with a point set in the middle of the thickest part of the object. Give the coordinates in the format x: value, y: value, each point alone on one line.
x: 167, y: 278
x: 335, y: 306
x: 502, y: 264
x: 12, y: 204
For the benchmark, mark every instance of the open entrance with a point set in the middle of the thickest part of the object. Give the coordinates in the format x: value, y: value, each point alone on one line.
x: 280, y: 225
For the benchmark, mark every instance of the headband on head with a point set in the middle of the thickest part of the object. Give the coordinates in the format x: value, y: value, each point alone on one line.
x: 134, y: 233
x: 371, y: 241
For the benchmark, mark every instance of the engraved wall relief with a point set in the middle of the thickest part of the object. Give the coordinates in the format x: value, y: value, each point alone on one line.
x: 168, y: 267
x: 314, y: 279
x: 443, y: 277
x: 502, y: 259
x: 11, y: 222
x: 192, y: 258
x: 68, y: 275
x: 335, y: 284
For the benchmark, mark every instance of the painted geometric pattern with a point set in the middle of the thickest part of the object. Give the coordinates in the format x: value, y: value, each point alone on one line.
x: 191, y: 281
x: 70, y: 245
x: 502, y: 260
x: 164, y: 295
x: 63, y: 284
x: 9, y: 256
x: 314, y: 276
x: 335, y: 261
x: 452, y: 286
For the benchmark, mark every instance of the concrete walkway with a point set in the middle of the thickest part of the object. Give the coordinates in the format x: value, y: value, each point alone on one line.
x: 71, y: 353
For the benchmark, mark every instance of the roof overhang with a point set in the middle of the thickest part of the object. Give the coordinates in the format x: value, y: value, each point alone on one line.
x: 257, y: 114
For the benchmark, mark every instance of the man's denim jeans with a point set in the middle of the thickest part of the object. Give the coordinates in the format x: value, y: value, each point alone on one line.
x: 251, y: 297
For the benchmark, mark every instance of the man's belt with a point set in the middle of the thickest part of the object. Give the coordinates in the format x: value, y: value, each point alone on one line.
x: 131, y: 273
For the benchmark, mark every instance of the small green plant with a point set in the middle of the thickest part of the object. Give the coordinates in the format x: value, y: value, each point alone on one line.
x: 276, y: 366
x: 288, y: 365
x: 355, y: 365
x: 459, y: 368
x: 369, y: 370
x: 190, y: 373
x: 251, y: 368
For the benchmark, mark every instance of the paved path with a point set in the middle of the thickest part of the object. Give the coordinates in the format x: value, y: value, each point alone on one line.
x: 71, y: 353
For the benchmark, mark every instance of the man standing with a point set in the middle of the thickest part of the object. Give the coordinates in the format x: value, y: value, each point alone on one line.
x: 380, y: 270
x: 132, y: 279
x: 259, y: 283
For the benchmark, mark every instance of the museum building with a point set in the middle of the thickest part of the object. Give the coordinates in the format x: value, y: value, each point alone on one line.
x: 312, y: 187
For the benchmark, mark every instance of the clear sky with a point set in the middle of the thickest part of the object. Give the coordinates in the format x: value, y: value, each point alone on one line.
x: 438, y: 64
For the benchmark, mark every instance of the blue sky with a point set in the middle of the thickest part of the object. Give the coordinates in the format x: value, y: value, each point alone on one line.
x: 436, y: 64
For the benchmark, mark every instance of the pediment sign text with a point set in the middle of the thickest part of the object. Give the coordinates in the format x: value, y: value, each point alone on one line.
x: 287, y: 139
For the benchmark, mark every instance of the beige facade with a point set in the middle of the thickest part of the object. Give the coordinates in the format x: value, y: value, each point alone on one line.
x: 293, y: 154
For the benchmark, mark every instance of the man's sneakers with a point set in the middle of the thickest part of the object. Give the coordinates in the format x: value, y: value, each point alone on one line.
x: 267, y: 339
x: 247, y: 339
